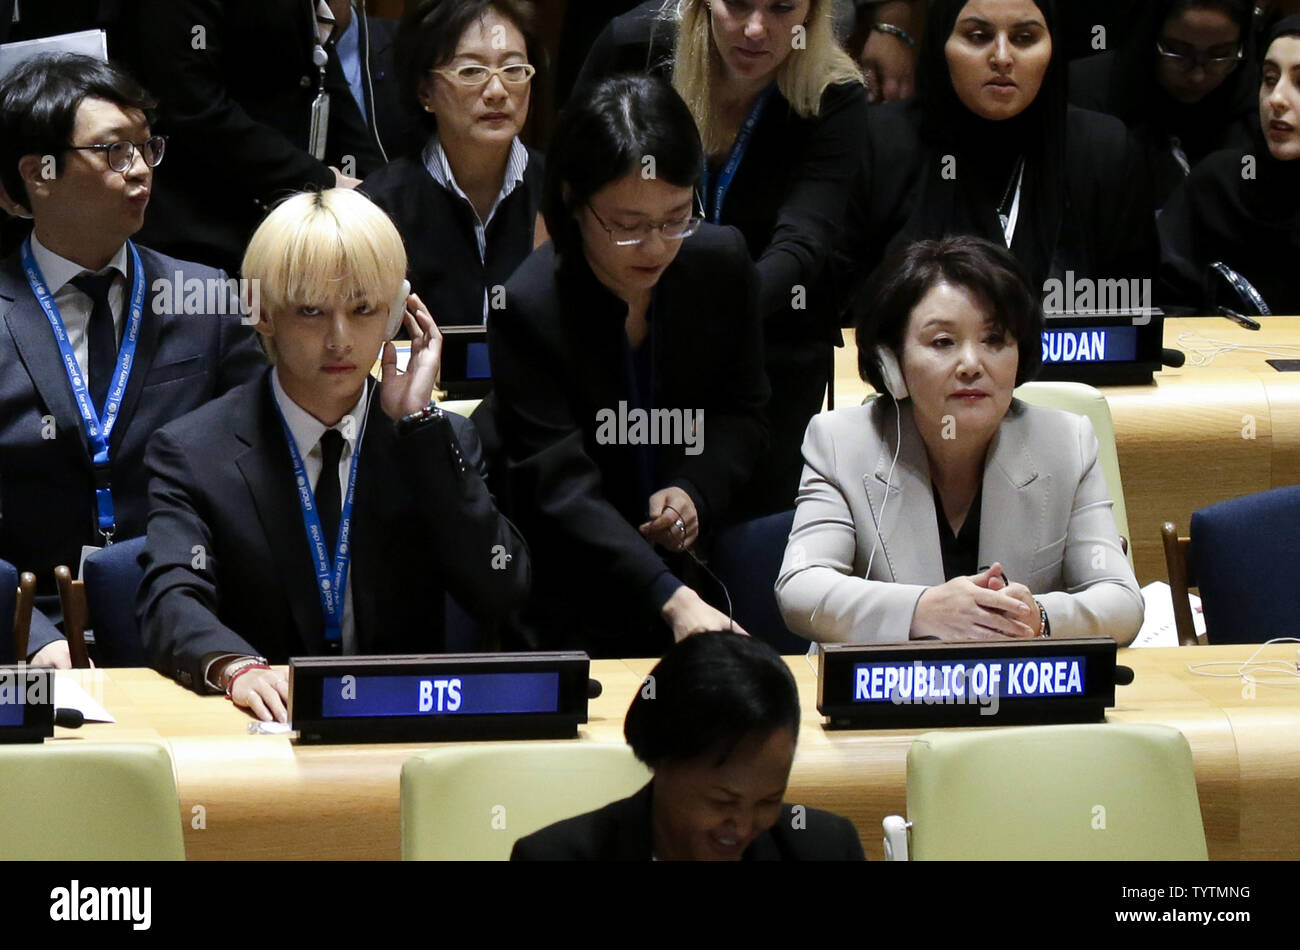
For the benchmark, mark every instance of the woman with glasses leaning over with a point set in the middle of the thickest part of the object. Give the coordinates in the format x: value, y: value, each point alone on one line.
x: 782, y: 111
x: 466, y: 205
x: 1181, y: 82
x: 629, y: 378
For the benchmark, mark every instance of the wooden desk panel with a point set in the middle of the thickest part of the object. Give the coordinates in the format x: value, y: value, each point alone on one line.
x: 262, y: 797
x: 1197, y: 435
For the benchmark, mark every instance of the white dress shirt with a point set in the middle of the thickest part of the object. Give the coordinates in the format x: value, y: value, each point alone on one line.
x: 435, y: 160
x: 74, y: 305
x: 307, y: 431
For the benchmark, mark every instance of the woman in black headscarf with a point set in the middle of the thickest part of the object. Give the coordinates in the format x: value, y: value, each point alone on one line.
x: 1184, y: 83
x: 989, y: 147
x: 1241, y: 207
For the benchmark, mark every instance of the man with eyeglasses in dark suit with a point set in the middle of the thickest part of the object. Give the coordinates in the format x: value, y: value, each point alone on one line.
x: 93, y: 354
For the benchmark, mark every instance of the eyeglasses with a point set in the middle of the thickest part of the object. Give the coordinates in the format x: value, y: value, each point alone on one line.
x: 121, y: 155
x: 1187, y: 62
x: 631, y: 237
x: 516, y: 74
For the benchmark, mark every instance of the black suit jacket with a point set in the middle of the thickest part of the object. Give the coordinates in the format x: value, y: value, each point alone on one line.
x: 557, y: 352
x: 222, y: 485
x: 397, y: 130
x: 238, y: 113
x: 437, y: 227
x: 46, y: 477
x: 1107, y: 229
x: 621, y: 831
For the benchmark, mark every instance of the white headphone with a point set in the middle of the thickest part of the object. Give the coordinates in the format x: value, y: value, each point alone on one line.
x: 892, y: 372
x: 897, y: 387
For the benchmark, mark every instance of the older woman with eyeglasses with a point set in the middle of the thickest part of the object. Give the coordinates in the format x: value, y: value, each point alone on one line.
x: 629, y: 379
x: 466, y: 205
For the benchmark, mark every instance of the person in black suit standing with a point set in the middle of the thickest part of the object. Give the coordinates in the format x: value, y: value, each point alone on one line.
x: 309, y: 511
x: 782, y: 112
x: 628, y: 373
x: 366, y: 47
x: 77, y: 156
x: 717, y: 720
x: 238, y: 81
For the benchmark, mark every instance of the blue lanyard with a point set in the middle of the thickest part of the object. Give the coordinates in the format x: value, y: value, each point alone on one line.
x: 98, y: 431
x: 330, y: 581
x: 737, y: 153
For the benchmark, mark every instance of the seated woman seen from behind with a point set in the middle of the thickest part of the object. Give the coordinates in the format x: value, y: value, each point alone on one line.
x: 947, y: 508
x: 718, y: 728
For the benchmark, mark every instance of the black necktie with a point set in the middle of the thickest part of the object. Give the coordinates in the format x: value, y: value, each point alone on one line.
x: 101, y: 336
x: 329, y: 499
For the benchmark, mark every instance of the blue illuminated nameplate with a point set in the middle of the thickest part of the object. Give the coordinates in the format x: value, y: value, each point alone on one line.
x: 11, y: 714
x: 439, y: 697
x: 978, y: 683
x: 464, y: 695
x: 1115, y: 344
x: 938, y: 682
x: 26, y: 703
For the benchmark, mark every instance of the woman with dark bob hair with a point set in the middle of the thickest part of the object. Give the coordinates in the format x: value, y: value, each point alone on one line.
x: 717, y: 721
x: 905, y: 499
x: 628, y: 374
x: 467, y: 204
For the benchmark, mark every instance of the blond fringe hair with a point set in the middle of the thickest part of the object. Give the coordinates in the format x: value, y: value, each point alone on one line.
x: 317, y: 246
x: 802, y: 78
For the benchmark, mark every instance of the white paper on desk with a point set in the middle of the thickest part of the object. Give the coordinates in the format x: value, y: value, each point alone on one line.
x: 69, y: 693
x: 1158, y: 628
x: 87, y: 42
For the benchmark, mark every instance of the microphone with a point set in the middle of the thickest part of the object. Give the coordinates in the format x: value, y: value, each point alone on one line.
x: 1172, y: 357
x: 1244, y: 289
x: 1123, y: 675
x: 594, y: 688
x: 69, y: 718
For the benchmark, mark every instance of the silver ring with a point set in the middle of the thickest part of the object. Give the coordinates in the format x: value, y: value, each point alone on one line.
x: 680, y: 525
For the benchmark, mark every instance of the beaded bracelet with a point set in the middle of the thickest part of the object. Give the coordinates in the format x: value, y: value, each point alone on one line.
x: 230, y: 684
x: 1045, y: 628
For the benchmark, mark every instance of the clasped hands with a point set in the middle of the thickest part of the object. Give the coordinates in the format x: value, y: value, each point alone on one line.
x: 981, y: 606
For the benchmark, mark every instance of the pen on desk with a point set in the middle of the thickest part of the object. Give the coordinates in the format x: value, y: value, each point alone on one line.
x: 1236, y: 317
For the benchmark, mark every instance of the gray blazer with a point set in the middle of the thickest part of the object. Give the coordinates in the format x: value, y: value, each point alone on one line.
x: 1046, y: 517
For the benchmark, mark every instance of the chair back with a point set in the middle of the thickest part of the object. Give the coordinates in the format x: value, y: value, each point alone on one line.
x: 84, y: 801
x: 1180, y: 580
x: 112, y: 577
x: 1242, y: 556
x: 1103, y: 791
x: 747, y: 559
x: 1085, y: 400
x: 8, y: 610
x: 473, y: 802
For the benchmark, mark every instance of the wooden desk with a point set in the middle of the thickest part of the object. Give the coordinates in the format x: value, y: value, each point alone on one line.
x: 262, y: 797
x: 1197, y: 435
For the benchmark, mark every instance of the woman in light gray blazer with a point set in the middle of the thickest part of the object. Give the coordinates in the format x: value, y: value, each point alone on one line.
x: 946, y: 508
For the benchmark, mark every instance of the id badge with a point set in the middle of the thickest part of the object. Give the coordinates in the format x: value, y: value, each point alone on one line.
x: 320, y: 123
x: 86, y: 551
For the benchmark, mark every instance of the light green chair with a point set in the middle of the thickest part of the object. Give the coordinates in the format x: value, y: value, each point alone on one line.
x: 472, y: 802
x: 1103, y: 791
x: 80, y: 801
x: 1088, y: 401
